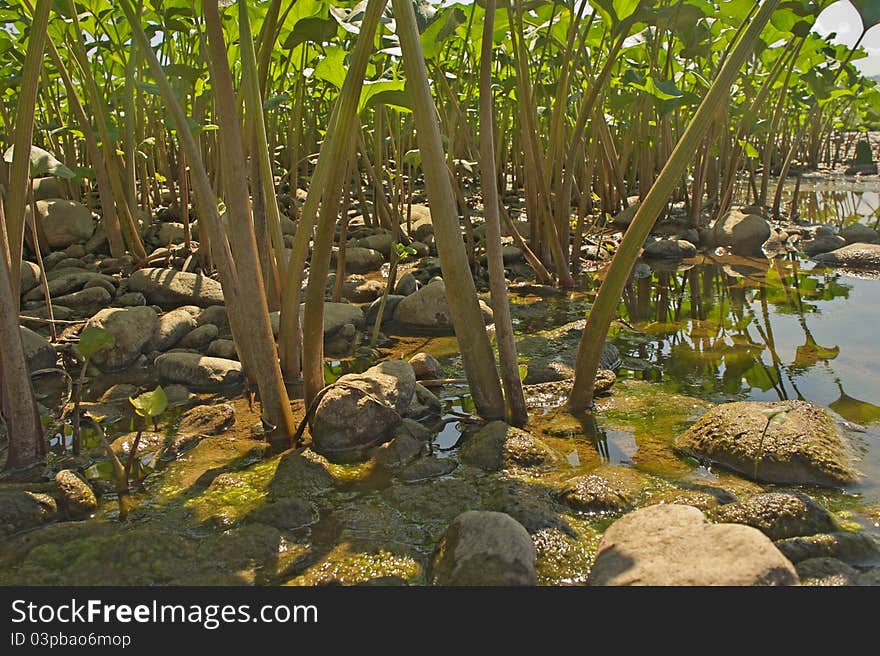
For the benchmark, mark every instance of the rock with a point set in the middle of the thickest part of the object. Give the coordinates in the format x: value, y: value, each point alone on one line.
x: 670, y: 544
x: 424, y: 469
x: 171, y: 233
x: 287, y: 514
x: 381, y: 243
x: 86, y: 301
x: 207, y: 419
x: 52, y: 259
x: 808, y: 447
x: 364, y: 291
x: 426, y: 366
x: 198, y: 371
x: 421, y: 248
x: 400, y: 451
x: 172, y: 327
x: 360, y: 410
x: 64, y: 222
x: 119, y: 392
x: 64, y: 282
x: 130, y: 299
x: 860, y: 233
x: 623, y: 218
x: 170, y: 288
x: 424, y: 404
x: 391, y: 302
x: 76, y: 496
x: 199, y: 338
x: 420, y: 220
x: 481, y: 548
x: 560, y: 366
x: 672, y: 249
x: 222, y: 348
x: 853, y: 256
x: 608, y: 490
x: 861, y: 169
x: 822, y: 244
x: 31, y: 276
x: 336, y: 317
x: 20, y: 511
x: 133, y: 328
x: 38, y: 351
x: 855, y: 548
x: 361, y: 260
x: 406, y: 285
x: 743, y: 233
x: 778, y: 515
x: 97, y: 242
x: 428, y: 310
x: 215, y: 314
x: 497, y: 445
x: 46, y: 188
x: 826, y: 572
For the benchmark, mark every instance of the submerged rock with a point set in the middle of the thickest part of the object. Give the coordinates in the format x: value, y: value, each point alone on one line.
x: 853, y: 256
x: 608, y: 490
x: 132, y: 328
x: 561, y: 366
x: 675, y: 545
x: 855, y: 548
x: 778, y: 515
x: 500, y: 446
x: 207, y: 419
x: 198, y: 371
x: 483, y: 548
x: 359, y: 411
x: 741, y: 232
x: 171, y: 288
x: 77, y: 497
x: 807, y: 447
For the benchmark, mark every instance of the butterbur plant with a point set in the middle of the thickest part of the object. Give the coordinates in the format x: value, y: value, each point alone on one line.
x: 775, y: 416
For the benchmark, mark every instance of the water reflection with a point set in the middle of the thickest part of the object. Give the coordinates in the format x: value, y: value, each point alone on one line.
x: 734, y: 328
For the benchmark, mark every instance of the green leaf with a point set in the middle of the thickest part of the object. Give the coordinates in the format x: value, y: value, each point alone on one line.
x: 869, y: 11
x: 150, y: 404
x: 316, y: 30
x: 42, y: 162
x: 92, y: 340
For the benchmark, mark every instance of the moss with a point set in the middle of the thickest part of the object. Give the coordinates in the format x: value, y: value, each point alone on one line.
x: 345, y: 564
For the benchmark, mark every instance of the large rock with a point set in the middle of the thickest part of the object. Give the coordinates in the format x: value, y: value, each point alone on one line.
x: 481, y: 548
x: 336, y: 317
x: 207, y: 419
x: 853, y: 547
x: 743, y: 233
x: 171, y: 233
x: 46, y: 188
x: 669, y: 544
x: 31, y: 276
x: 173, y: 326
x: 61, y: 282
x: 381, y: 243
x: 361, y: 410
x: 20, y: 511
x: 610, y: 489
x: 198, y: 371
x: 420, y: 220
x: 806, y: 447
x: 670, y: 249
x: 822, y: 244
x: 778, y: 515
x: 171, y: 288
x: 38, y: 351
x: 498, y: 445
x: 64, y: 222
x: 860, y: 233
x: 361, y: 260
x: 623, y: 218
x: 86, y: 301
x: 76, y: 496
x: 561, y: 365
x: 428, y: 310
x: 853, y: 256
x: 132, y: 327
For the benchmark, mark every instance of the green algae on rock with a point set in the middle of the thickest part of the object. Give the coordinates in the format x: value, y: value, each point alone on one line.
x: 808, y: 447
x: 778, y: 515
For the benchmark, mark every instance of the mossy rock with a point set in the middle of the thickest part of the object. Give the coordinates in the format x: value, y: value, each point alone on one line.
x: 778, y: 515
x: 500, y: 446
x: 806, y: 447
x: 852, y: 547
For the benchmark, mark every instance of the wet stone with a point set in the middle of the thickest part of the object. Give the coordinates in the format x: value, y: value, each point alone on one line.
x: 826, y: 572
x: 426, y: 468
x: 778, y: 515
x: 498, y: 445
x: 77, y: 497
x: 855, y: 548
x: 207, y: 419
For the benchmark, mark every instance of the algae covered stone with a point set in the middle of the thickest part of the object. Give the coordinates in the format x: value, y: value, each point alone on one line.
x: 668, y: 544
x: 485, y: 548
x: 498, y: 445
x: 806, y: 447
x: 778, y: 515
x: 77, y: 497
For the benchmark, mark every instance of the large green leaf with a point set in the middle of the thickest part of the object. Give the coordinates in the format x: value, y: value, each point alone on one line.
x: 869, y: 11
x: 92, y: 340
x: 150, y: 404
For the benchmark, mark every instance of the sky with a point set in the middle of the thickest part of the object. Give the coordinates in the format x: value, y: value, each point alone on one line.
x: 842, y: 18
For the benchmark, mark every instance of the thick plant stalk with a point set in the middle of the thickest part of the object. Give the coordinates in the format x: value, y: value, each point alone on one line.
x: 603, y: 311
x: 517, y: 414
x: 23, y: 133
x: 248, y: 328
x: 470, y: 330
x: 17, y: 402
x: 335, y: 153
x: 264, y: 359
x: 253, y: 101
